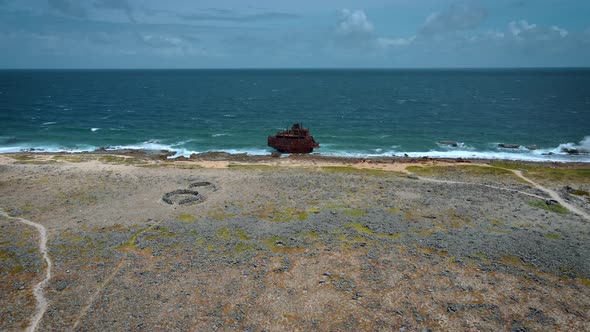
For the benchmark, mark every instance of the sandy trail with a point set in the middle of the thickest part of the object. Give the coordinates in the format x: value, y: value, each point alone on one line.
x: 551, y: 193
x: 41, y: 307
x: 554, y: 195
x: 480, y: 184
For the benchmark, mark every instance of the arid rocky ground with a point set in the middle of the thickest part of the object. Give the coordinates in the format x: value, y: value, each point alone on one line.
x: 306, y: 245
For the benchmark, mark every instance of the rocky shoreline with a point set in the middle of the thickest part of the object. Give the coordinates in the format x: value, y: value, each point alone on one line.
x: 298, y: 243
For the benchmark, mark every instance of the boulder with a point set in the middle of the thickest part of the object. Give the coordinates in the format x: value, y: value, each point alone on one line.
x: 532, y: 147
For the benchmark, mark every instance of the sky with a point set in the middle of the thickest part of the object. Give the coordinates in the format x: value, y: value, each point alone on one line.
x: 294, y: 34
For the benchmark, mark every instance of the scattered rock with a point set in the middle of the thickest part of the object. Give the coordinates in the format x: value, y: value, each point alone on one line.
x: 532, y: 147
x: 540, y: 317
x: 275, y: 154
x: 413, y: 177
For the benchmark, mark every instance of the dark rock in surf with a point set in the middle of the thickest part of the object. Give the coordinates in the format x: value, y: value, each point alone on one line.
x: 449, y: 143
x: 571, y: 151
x: 509, y: 146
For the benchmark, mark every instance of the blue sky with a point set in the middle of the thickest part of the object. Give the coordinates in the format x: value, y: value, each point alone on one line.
x: 294, y: 34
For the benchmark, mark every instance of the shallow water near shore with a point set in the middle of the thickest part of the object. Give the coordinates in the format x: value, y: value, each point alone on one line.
x: 350, y: 112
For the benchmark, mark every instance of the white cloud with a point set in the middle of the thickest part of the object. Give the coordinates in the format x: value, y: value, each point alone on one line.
x: 458, y: 16
x: 562, y: 32
x: 516, y: 28
x: 354, y: 23
x: 355, y: 29
x: 523, y: 30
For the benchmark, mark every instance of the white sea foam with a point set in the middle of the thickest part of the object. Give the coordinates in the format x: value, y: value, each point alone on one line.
x: 46, y: 148
x: 465, y: 152
x: 148, y: 145
x: 219, y: 135
x: 249, y: 151
x: 48, y: 123
x: 94, y: 129
x: 585, y: 144
x: 460, y: 145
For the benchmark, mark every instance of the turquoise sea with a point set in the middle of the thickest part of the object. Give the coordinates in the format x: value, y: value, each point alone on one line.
x: 349, y: 112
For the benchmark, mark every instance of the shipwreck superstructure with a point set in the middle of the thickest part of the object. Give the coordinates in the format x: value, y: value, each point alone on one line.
x: 295, y: 140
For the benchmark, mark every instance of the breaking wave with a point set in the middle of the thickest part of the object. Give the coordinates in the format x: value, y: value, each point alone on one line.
x: 462, y: 150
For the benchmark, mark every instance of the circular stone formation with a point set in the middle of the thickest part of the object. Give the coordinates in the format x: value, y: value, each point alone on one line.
x: 182, y: 197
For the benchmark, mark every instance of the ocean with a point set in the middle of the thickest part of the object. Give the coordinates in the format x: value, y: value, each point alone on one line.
x: 349, y: 112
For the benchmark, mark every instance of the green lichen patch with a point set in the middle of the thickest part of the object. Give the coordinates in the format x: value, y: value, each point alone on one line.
x: 361, y: 228
x: 271, y: 211
x: 360, y: 171
x: 470, y: 170
x: 496, y: 222
x: 482, y: 257
x: 553, y: 207
x: 355, y: 213
x: 552, y: 236
x: 226, y: 234
x: 578, y: 192
x: 544, y: 173
x: 242, y: 247
x: 186, y: 218
x: 131, y: 243
x: 21, y: 157
x: 223, y: 234
x: 394, y: 210
x: 74, y: 158
x: 313, y: 210
x: 312, y: 235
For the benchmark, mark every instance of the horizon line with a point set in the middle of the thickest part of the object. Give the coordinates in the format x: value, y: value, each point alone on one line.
x: 301, y: 68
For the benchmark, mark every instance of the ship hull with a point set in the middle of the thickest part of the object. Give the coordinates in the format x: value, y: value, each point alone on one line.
x: 292, y: 145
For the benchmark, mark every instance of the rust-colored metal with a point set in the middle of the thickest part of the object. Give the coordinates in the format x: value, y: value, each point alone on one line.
x: 295, y: 140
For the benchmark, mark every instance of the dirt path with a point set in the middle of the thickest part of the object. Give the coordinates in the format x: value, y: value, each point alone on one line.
x: 41, y: 307
x: 553, y: 194
x: 99, y: 290
x: 480, y: 184
x: 107, y: 281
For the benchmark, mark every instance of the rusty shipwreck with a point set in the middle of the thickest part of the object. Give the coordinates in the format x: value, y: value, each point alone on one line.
x: 295, y: 140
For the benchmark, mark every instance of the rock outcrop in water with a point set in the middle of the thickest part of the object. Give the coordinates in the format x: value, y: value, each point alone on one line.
x: 449, y: 143
x: 509, y: 146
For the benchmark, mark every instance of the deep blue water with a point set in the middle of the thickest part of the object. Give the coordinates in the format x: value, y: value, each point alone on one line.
x: 350, y: 112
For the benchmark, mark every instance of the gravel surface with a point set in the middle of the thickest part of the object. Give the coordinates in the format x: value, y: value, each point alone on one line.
x: 290, y: 248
